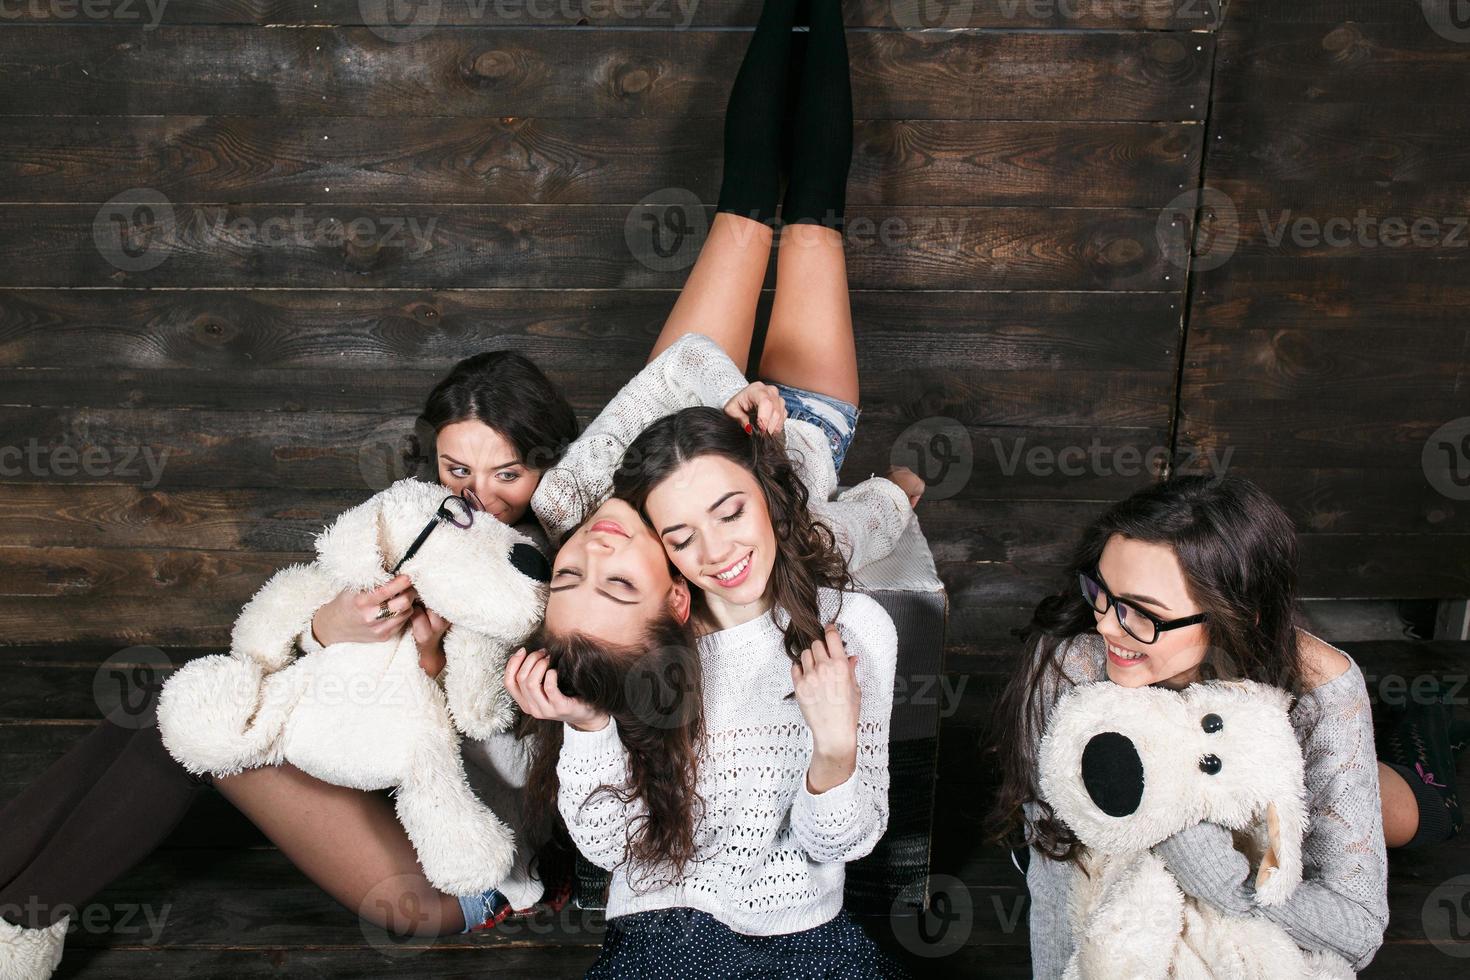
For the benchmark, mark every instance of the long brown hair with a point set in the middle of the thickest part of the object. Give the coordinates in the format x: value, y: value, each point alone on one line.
x: 1238, y: 552
x: 653, y: 691
x: 806, y: 549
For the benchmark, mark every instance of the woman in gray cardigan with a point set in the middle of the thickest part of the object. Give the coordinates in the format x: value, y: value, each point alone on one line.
x: 1193, y: 579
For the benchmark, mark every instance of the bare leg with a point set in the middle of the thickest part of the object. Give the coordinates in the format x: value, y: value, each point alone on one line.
x: 719, y: 298
x: 810, y: 343
x: 349, y: 843
x: 1400, y: 809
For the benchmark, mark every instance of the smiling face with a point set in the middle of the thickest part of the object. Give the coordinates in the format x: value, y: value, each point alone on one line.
x: 1148, y: 575
x: 712, y: 518
x: 611, y: 579
x: 474, y: 456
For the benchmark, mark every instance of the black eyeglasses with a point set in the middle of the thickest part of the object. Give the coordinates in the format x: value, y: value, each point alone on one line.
x: 1143, y: 626
x: 457, y: 509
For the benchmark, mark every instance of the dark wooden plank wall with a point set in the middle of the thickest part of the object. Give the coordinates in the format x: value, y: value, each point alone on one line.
x: 1021, y: 286
x: 1327, y: 365
x: 1050, y: 311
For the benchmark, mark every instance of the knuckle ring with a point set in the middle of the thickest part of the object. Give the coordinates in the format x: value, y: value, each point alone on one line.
x: 383, y: 611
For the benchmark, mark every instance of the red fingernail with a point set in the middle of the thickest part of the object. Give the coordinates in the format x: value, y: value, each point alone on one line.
x: 747, y: 428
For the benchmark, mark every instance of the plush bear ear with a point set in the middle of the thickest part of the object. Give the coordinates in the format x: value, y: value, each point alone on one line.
x: 351, y: 551
x: 1281, y: 866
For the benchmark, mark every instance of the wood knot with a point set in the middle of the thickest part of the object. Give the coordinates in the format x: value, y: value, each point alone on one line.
x: 493, y: 65
x: 1167, y: 51
x: 633, y: 79
x: 1343, y: 37
x: 1121, y: 251
x: 214, y: 332
x: 150, y: 507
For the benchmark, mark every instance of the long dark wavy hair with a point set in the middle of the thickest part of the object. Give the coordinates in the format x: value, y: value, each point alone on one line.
x: 806, y: 549
x: 1238, y: 551
x: 508, y: 392
x: 652, y: 690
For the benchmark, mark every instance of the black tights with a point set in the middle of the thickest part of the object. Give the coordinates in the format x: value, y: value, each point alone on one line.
x: 821, y: 123
x: 96, y: 812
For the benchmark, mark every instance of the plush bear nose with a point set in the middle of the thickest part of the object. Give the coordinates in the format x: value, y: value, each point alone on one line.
x: 530, y: 562
x: 1113, y: 773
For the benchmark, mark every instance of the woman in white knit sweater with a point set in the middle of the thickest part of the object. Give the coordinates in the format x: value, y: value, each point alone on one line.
x: 715, y: 705
x: 729, y: 759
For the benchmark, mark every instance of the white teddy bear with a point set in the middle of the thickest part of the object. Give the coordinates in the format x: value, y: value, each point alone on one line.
x: 1125, y: 769
x: 366, y: 715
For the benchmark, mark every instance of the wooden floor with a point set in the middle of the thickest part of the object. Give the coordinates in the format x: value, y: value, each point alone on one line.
x: 230, y: 905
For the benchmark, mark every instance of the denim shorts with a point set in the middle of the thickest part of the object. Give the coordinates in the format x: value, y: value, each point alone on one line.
x: 835, y: 417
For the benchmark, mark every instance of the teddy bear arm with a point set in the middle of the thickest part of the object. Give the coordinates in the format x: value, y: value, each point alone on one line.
x: 474, y: 672
x: 268, y: 627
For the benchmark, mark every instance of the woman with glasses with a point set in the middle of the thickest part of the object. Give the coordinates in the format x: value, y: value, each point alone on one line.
x: 1191, y: 580
x: 117, y: 794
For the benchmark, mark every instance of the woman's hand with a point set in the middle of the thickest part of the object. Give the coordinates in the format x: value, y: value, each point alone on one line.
x: 532, y: 682
x: 353, y: 617
x: 428, y: 635
x: 831, y: 701
x: 909, y: 482
x: 762, y: 398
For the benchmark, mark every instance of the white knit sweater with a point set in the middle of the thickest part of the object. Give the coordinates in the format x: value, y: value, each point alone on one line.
x: 866, y: 519
x: 769, y: 854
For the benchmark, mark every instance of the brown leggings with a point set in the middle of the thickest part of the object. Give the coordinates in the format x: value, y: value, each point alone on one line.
x: 90, y: 817
x: 117, y: 795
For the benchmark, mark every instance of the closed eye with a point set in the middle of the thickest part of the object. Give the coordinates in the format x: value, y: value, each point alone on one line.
x: 739, y: 513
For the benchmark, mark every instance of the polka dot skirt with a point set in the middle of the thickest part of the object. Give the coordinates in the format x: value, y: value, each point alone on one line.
x: 673, y: 944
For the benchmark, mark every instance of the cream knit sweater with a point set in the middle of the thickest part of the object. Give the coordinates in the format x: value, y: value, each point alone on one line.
x: 769, y: 854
